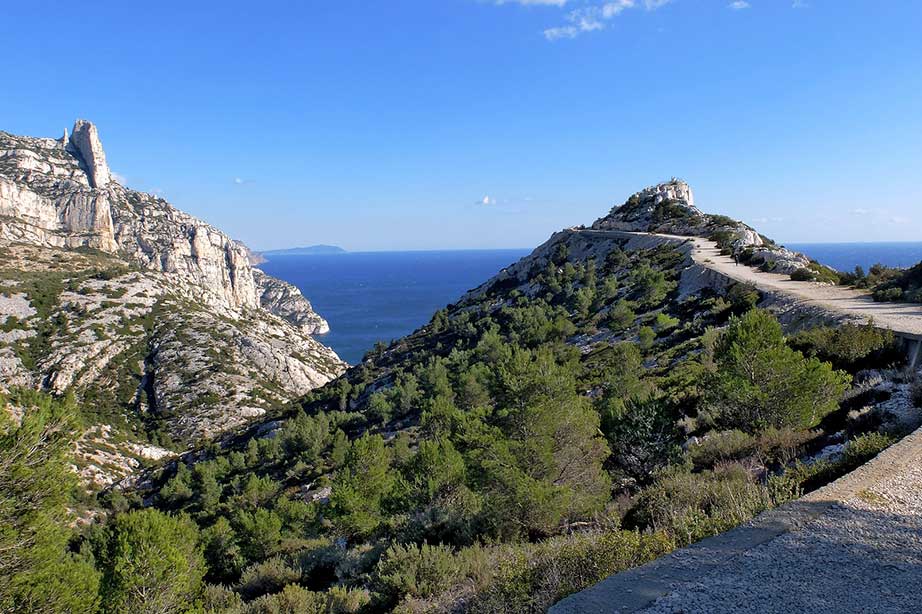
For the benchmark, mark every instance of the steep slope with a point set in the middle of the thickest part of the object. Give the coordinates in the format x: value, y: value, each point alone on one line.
x: 487, y: 461
x: 155, y: 319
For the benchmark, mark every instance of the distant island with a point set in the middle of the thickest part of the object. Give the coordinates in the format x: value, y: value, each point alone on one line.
x: 310, y: 250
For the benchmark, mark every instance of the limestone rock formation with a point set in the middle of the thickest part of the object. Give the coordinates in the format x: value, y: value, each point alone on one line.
x: 84, y: 139
x: 286, y: 301
x: 66, y: 198
x: 156, y: 320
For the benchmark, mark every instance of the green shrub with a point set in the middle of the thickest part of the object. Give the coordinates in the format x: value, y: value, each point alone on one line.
x: 802, y: 478
x: 219, y: 599
x: 692, y: 506
x: 851, y: 347
x: 824, y: 274
x: 415, y: 571
x: 915, y: 391
x: 803, y: 274
x: 267, y: 577
x: 292, y: 600
x: 621, y: 316
x: 722, y: 447
x: 759, y: 381
x: 888, y: 295
x: 742, y: 297
x: 645, y: 337
x: 534, y: 577
x: 779, y: 446
x: 665, y: 323
x: 863, y: 448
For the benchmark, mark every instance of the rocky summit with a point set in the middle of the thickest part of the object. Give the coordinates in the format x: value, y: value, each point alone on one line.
x: 156, y: 320
x: 669, y: 208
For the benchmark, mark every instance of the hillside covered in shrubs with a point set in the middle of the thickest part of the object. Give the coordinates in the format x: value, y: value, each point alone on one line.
x: 575, y: 416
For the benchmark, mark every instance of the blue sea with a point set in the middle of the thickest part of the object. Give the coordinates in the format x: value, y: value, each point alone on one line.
x: 380, y: 296
x: 846, y: 256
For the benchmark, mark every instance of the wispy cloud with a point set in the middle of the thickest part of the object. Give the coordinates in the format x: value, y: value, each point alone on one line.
x: 486, y: 201
x: 533, y: 2
x: 119, y: 178
x: 241, y: 181
x: 594, y: 17
x: 738, y: 5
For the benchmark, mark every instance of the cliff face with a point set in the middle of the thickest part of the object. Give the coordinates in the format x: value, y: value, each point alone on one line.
x: 60, y: 193
x: 146, y: 312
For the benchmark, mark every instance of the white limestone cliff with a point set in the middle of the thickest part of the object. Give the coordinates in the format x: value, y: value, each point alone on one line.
x: 84, y: 140
x: 67, y: 198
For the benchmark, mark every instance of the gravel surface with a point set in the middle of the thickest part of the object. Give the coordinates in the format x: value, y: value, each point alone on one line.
x: 862, y: 555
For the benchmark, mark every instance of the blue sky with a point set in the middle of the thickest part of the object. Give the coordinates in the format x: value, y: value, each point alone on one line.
x: 463, y: 123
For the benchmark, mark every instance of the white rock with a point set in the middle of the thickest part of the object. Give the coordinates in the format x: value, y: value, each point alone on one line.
x: 85, y: 140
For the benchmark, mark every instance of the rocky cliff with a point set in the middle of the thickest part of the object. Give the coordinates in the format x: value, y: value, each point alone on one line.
x: 156, y: 319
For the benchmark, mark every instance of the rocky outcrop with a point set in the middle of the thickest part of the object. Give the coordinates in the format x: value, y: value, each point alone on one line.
x: 669, y: 208
x: 287, y: 302
x: 65, y: 197
x: 666, y: 207
x: 84, y: 141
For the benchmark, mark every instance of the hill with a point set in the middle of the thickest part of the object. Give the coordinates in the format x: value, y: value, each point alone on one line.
x: 310, y: 250
x: 503, y: 455
x: 595, y: 405
x: 154, y: 320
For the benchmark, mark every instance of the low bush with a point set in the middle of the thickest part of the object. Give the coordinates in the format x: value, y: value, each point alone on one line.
x: 779, y: 446
x: 824, y: 274
x: 292, y: 599
x: 888, y: 295
x: 721, y: 447
x: 692, y: 506
x: 531, y: 577
x: 415, y: 571
x: 803, y: 274
x: 863, y: 448
x: 267, y: 577
x: 536, y: 576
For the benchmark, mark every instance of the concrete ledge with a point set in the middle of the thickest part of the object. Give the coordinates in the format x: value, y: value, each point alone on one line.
x: 638, y: 588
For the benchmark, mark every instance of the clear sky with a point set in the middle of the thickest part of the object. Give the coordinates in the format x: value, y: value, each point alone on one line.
x: 413, y: 124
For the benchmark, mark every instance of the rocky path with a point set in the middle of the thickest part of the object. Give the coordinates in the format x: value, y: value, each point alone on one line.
x: 853, y: 546
x: 903, y: 318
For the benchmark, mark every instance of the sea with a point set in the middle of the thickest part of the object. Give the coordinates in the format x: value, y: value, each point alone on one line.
x: 381, y: 296
x: 846, y: 256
